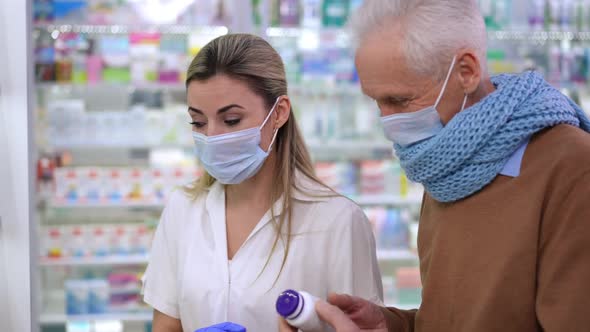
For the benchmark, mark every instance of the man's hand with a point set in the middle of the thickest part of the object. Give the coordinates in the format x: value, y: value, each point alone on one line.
x: 346, y: 313
x: 284, y: 327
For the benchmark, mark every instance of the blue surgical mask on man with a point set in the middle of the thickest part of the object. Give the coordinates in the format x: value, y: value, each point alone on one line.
x: 406, y: 129
x: 233, y: 157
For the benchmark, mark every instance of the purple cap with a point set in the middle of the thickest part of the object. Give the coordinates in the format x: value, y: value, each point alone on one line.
x: 287, y: 303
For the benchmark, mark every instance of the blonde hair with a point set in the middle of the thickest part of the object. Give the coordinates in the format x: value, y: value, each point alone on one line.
x: 252, y: 60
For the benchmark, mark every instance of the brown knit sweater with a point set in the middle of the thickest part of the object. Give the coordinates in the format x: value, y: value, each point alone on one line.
x: 516, y: 255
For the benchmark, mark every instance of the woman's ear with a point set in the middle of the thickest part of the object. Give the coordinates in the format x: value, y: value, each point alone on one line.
x: 282, y: 111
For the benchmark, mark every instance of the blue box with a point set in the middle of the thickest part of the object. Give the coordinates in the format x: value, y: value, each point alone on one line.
x: 223, y: 327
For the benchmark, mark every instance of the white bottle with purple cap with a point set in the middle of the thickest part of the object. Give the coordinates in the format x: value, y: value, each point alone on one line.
x: 298, y: 308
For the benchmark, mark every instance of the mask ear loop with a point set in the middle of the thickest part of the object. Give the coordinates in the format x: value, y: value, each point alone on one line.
x: 444, y: 87
x: 270, y: 113
x: 464, y: 102
x: 272, y: 142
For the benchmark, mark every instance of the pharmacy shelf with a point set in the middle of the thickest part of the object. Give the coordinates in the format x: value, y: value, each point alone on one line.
x: 58, y: 319
x: 494, y: 35
x: 509, y: 35
x: 125, y: 29
x: 343, y: 147
x: 131, y: 289
x: 326, y: 89
x: 282, y: 32
x: 94, y: 261
x: 131, y: 86
x: 389, y: 200
x: 396, y: 255
x: 382, y: 255
x: 118, y: 205
x: 539, y: 36
x: 348, y: 150
x: 341, y: 34
x: 369, y: 200
x: 349, y: 145
x: 116, y: 146
x: 323, y: 89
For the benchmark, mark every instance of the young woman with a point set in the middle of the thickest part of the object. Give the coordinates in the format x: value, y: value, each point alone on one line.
x: 259, y: 221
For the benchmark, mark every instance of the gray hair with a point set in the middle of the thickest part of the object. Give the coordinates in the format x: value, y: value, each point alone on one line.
x: 434, y: 30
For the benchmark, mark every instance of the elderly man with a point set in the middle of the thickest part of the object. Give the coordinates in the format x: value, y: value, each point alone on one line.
x: 504, y: 239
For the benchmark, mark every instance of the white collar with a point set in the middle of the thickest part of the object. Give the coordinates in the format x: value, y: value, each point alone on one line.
x: 215, y: 206
x: 307, y: 190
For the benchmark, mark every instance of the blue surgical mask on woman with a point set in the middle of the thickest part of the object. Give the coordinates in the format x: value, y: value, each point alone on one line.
x: 233, y: 157
x: 409, y: 128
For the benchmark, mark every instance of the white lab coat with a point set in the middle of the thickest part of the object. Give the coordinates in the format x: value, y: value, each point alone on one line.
x: 190, y: 278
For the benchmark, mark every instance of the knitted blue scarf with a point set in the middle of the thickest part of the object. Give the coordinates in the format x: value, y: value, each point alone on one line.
x: 475, y: 145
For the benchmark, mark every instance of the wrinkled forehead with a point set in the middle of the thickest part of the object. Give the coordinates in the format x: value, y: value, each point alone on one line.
x: 383, y: 68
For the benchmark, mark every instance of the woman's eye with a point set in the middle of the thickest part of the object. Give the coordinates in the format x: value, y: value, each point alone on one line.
x: 232, y: 122
x: 197, y: 124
